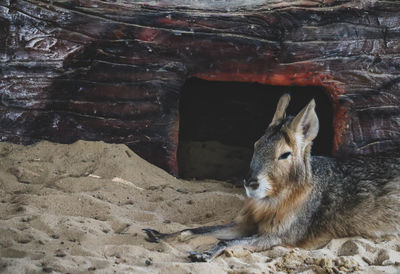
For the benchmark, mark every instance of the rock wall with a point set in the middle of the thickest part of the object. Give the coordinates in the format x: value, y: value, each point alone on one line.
x: 113, y: 70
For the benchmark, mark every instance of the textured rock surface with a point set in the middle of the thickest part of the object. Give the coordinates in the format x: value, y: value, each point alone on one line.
x: 113, y: 71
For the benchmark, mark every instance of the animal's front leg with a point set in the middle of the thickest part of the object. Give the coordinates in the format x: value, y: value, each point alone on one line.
x: 229, y: 231
x: 209, y: 254
x: 254, y: 243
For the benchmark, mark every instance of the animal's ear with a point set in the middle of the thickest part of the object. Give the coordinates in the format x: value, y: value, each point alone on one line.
x: 280, y: 112
x: 305, y: 125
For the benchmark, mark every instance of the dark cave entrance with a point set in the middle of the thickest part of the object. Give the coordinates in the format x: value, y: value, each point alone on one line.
x: 220, y: 121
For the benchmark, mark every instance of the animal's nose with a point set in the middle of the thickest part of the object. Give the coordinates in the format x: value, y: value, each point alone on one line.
x: 254, y: 185
x: 250, y: 181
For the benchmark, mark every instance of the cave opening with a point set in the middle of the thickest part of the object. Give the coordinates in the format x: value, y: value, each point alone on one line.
x: 220, y: 121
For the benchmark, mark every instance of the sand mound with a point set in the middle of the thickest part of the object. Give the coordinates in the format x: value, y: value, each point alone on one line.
x: 80, y: 208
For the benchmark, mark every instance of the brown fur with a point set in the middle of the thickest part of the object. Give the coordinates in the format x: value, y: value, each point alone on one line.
x: 275, y: 216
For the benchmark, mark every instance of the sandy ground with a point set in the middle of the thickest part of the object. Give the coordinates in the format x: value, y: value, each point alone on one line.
x: 80, y: 208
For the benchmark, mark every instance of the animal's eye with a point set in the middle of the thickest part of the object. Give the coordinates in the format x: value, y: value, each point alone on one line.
x: 284, y: 156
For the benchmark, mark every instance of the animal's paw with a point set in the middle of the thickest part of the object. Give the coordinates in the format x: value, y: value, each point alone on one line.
x: 199, y: 256
x: 153, y: 235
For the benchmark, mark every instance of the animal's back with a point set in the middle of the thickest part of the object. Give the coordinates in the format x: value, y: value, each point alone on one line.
x: 359, y: 195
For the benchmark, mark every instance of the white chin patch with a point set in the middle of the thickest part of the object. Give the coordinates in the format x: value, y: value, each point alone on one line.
x: 261, y: 191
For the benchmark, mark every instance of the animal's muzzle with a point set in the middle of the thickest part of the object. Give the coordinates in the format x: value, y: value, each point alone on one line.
x: 251, y: 182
